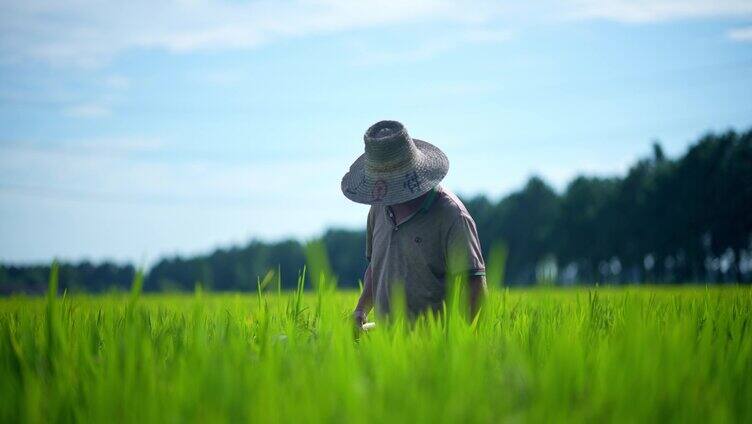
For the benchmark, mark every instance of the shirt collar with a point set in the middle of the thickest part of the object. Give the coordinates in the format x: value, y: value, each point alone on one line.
x: 424, y: 207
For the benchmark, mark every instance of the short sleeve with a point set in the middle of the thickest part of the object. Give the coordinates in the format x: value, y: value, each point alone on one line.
x: 463, y: 252
x: 369, y: 234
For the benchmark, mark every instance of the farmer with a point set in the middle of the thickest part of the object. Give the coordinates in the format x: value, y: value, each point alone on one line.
x: 419, y: 234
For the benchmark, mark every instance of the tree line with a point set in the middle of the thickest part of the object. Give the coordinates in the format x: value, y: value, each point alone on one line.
x: 687, y: 219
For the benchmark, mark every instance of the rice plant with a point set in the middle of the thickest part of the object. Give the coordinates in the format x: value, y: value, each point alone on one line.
x: 542, y: 355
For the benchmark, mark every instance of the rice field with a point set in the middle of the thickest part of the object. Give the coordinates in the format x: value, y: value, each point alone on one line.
x: 647, y: 354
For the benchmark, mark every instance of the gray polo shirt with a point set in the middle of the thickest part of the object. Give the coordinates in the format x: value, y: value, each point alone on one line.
x: 437, y: 240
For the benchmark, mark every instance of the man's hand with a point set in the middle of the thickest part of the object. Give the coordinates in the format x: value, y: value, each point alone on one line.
x: 365, y: 301
x: 359, y: 318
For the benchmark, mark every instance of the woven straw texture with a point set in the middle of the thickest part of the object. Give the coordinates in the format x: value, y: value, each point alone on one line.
x: 394, y: 168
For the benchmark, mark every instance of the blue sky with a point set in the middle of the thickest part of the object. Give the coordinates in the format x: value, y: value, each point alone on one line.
x: 133, y: 131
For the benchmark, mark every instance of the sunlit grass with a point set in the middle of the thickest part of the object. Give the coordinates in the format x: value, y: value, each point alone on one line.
x: 543, y: 355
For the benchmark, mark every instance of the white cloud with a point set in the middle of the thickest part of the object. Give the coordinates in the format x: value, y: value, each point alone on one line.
x: 486, y: 36
x: 117, y: 82
x: 88, y: 32
x: 431, y: 48
x: 142, y: 168
x: 87, y: 111
x: 641, y: 11
x: 741, y: 34
x: 99, y: 198
x: 221, y: 77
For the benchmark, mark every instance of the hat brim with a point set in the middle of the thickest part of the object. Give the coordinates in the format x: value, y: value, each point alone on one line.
x: 393, y: 187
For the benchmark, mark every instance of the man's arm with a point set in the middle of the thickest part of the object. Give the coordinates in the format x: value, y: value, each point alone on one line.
x: 477, y: 295
x: 464, y: 258
x: 366, y: 299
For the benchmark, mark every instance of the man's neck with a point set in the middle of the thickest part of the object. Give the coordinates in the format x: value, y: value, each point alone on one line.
x: 403, y: 210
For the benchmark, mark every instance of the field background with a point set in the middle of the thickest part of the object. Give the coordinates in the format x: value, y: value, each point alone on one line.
x: 635, y: 355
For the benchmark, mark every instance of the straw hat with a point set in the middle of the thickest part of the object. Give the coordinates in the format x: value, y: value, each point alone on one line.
x: 395, y: 168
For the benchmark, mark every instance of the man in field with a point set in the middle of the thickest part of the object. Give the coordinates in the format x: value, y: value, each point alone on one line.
x: 419, y: 234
